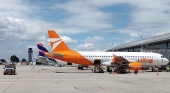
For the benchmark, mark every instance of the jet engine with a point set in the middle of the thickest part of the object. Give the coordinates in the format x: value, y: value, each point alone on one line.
x: 135, y: 66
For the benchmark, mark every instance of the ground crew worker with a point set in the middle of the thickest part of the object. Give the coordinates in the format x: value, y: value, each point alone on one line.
x: 92, y: 69
x: 114, y: 69
x: 167, y: 69
x: 110, y: 69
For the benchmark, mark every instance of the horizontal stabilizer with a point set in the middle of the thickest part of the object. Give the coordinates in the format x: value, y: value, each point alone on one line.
x: 57, y: 54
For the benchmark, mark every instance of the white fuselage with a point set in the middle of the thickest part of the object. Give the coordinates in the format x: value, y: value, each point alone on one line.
x: 106, y: 57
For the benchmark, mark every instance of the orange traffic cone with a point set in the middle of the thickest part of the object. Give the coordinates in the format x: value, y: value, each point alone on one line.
x: 113, y: 72
x: 38, y: 71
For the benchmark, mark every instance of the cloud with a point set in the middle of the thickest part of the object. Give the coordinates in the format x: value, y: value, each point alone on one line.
x: 1, y: 39
x: 95, y: 39
x: 24, y: 23
x: 85, y: 47
x: 134, y: 35
x: 91, y: 44
x: 82, y: 14
x: 129, y: 40
x: 149, y: 18
x: 67, y: 39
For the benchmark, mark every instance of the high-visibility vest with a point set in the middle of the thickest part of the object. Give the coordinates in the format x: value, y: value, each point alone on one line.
x: 110, y: 68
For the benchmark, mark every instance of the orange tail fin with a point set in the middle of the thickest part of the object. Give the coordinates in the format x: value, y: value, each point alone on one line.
x: 56, y: 42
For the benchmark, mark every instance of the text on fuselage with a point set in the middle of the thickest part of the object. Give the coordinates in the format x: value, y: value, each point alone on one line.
x: 145, y: 60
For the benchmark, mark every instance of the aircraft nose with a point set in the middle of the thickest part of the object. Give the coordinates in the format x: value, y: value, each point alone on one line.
x: 167, y: 60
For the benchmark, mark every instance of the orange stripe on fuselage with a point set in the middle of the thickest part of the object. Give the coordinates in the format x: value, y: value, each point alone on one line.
x: 73, y: 57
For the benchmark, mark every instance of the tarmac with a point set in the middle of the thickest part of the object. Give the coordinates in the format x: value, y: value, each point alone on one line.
x: 50, y: 79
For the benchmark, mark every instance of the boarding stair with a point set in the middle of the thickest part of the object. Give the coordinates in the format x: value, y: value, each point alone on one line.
x: 98, y: 69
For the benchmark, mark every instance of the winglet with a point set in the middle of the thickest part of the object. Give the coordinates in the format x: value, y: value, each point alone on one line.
x: 56, y: 42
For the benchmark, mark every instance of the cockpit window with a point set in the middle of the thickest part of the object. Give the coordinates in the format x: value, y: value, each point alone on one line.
x: 162, y: 57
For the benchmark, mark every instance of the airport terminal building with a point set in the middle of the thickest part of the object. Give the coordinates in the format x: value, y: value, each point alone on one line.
x: 159, y: 44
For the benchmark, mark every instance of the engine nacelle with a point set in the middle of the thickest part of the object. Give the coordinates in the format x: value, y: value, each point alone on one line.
x: 135, y: 66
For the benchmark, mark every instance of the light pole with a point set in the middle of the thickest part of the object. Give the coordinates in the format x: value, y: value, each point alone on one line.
x: 112, y: 47
x: 141, y: 44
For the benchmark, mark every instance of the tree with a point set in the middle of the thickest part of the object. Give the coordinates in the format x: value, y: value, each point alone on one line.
x: 3, y: 60
x: 14, y: 58
x: 23, y: 60
x: 17, y: 59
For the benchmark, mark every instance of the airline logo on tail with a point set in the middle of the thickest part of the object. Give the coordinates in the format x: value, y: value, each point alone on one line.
x: 55, y: 42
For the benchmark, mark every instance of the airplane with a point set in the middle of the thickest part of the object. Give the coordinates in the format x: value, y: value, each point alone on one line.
x: 47, y: 60
x: 132, y: 60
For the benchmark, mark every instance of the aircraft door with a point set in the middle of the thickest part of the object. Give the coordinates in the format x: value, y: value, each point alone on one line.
x: 156, y: 60
x: 97, y: 62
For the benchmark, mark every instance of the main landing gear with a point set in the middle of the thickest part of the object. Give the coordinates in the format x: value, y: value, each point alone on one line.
x: 80, y: 67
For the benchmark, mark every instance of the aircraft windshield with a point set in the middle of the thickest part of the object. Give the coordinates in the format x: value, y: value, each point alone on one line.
x: 162, y: 57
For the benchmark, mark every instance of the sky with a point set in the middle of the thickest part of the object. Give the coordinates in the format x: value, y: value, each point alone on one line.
x: 85, y: 25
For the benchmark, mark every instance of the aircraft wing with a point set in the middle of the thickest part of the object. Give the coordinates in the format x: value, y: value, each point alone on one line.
x: 119, y: 60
